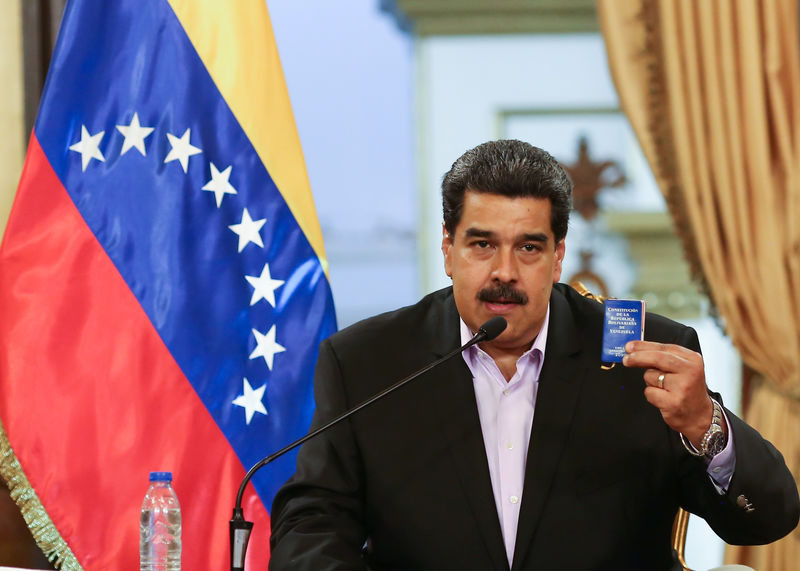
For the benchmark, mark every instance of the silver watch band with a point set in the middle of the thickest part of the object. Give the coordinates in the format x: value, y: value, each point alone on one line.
x: 706, y: 448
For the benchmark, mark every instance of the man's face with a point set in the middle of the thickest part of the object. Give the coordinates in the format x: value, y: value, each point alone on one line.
x: 503, y: 261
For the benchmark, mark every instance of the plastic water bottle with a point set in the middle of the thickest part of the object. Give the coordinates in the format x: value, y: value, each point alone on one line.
x: 160, y: 526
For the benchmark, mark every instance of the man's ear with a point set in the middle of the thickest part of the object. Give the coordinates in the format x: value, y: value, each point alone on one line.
x: 447, y: 245
x: 558, y: 260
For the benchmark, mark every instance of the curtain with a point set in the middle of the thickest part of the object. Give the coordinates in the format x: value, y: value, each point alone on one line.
x: 712, y: 90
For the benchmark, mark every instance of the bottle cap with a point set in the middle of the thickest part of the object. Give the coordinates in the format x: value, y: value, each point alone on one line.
x: 160, y: 476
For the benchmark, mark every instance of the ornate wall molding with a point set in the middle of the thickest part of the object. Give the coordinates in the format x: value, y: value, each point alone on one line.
x: 663, y: 279
x: 466, y: 17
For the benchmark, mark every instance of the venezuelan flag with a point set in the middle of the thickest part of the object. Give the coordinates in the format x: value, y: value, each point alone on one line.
x: 163, y: 281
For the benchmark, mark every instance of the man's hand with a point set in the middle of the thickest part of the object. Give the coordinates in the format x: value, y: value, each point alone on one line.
x: 676, y: 385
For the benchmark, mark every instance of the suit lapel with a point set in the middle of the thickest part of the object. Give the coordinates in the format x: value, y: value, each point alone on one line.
x: 559, y: 386
x: 454, y: 397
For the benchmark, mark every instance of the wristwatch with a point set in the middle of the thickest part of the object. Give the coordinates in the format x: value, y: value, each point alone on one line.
x: 714, y: 440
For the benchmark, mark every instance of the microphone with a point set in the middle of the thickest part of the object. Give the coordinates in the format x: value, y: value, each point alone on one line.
x: 491, y: 329
x: 240, y: 528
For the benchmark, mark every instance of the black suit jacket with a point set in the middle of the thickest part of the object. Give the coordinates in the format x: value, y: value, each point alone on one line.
x: 405, y: 484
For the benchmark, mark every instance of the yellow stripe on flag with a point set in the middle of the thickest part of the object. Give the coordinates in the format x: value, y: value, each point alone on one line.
x: 237, y: 46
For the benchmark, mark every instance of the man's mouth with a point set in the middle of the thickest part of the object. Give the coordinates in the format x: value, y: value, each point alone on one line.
x: 499, y: 308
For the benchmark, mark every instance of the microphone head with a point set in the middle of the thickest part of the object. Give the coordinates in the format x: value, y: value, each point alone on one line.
x: 494, y: 327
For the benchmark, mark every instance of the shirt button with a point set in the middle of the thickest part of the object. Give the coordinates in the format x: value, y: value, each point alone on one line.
x: 513, y: 499
x: 716, y: 470
x: 505, y: 392
x: 510, y: 445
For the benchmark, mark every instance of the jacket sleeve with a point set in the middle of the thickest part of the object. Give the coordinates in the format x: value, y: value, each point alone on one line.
x: 318, y: 515
x: 761, y: 504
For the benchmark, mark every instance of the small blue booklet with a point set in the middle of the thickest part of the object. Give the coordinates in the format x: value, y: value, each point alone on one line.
x: 623, y: 322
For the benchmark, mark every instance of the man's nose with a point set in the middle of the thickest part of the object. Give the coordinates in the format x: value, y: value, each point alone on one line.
x: 504, y: 266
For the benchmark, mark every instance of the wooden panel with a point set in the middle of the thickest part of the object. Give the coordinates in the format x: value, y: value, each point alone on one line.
x: 12, y: 112
x: 17, y: 548
x: 40, y: 22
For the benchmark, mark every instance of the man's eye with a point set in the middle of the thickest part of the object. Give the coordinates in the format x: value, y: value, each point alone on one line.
x: 530, y: 247
x: 481, y: 244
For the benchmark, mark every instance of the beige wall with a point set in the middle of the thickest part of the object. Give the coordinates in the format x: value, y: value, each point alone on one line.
x: 12, y: 122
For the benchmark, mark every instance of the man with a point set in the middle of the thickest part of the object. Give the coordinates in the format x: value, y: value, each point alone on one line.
x: 524, y: 453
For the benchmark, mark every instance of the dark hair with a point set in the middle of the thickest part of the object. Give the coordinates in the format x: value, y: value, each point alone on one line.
x: 509, y: 168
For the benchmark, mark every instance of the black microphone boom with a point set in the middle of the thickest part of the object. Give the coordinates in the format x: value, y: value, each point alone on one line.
x: 240, y: 528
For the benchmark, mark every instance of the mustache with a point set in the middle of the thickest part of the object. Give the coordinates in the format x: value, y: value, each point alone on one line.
x: 502, y: 293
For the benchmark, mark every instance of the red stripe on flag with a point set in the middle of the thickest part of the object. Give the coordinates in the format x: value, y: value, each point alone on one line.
x: 93, y: 399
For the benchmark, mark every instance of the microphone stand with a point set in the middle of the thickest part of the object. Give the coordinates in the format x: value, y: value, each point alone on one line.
x: 240, y: 528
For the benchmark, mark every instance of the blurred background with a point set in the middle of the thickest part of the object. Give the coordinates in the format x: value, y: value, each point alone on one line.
x: 386, y: 95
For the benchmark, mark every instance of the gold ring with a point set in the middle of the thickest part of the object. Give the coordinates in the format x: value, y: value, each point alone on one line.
x: 661, y: 381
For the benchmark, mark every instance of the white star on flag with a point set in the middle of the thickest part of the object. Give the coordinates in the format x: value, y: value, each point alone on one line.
x: 220, y: 186
x: 88, y: 147
x: 250, y: 400
x: 264, y: 286
x: 266, y: 346
x: 248, y: 229
x: 134, y: 135
x: 181, y: 149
